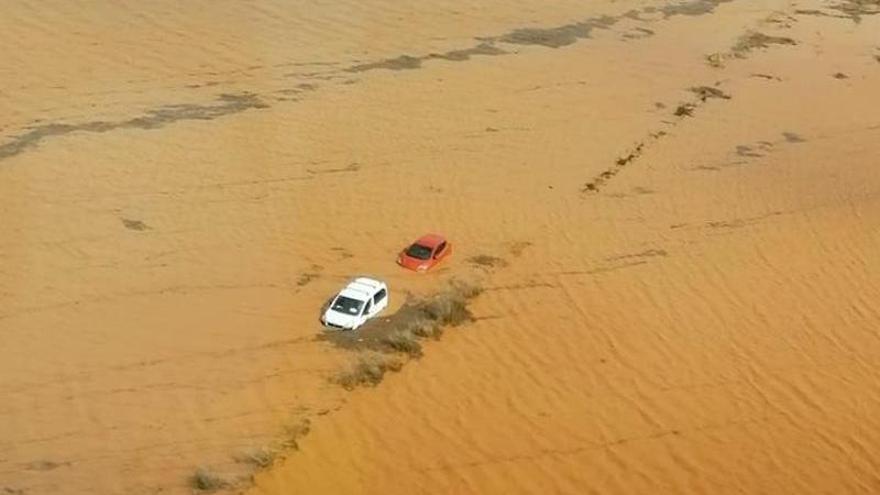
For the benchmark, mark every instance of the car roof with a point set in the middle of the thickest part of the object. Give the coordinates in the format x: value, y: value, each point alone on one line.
x: 369, y: 282
x: 430, y: 240
x: 361, y: 288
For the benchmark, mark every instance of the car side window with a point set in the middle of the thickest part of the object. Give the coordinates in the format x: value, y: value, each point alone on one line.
x: 368, y: 307
x: 440, y: 248
x: 380, y: 296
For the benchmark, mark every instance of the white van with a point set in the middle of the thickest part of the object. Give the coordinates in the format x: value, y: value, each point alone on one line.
x: 360, y: 300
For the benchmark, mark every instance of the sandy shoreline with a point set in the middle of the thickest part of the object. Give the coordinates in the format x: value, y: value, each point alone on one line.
x: 672, y: 212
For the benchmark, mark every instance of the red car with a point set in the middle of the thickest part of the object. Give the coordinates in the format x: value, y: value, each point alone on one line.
x: 426, y: 252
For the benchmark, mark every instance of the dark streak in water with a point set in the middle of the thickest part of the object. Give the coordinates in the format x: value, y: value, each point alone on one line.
x: 153, y: 119
x: 402, y: 62
x: 698, y: 7
x: 553, y: 37
x: 791, y: 137
x: 603, y: 269
x: 747, y: 151
x: 560, y: 36
x: 487, y: 49
x: 134, y: 224
x: 351, y: 167
x: 754, y: 40
x: 556, y: 37
x: 650, y: 253
x: 406, y: 62
x: 855, y: 9
x: 638, y: 33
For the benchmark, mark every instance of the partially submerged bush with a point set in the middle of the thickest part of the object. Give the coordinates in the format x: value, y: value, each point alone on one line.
x: 450, y: 306
x: 685, y: 110
x: 368, y: 370
x: 206, y: 479
x: 446, y: 309
x: 466, y: 290
x: 755, y: 40
x: 404, y: 341
x: 294, y: 432
x: 706, y: 92
x: 425, y: 328
x: 261, y: 457
x: 715, y: 60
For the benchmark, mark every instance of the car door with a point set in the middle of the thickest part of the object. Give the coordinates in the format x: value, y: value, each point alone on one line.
x: 369, y: 310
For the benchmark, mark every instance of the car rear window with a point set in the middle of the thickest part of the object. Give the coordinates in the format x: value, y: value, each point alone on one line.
x: 418, y: 251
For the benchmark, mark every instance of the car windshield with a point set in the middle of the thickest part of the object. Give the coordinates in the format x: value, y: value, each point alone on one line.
x: 347, y: 305
x: 418, y: 251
